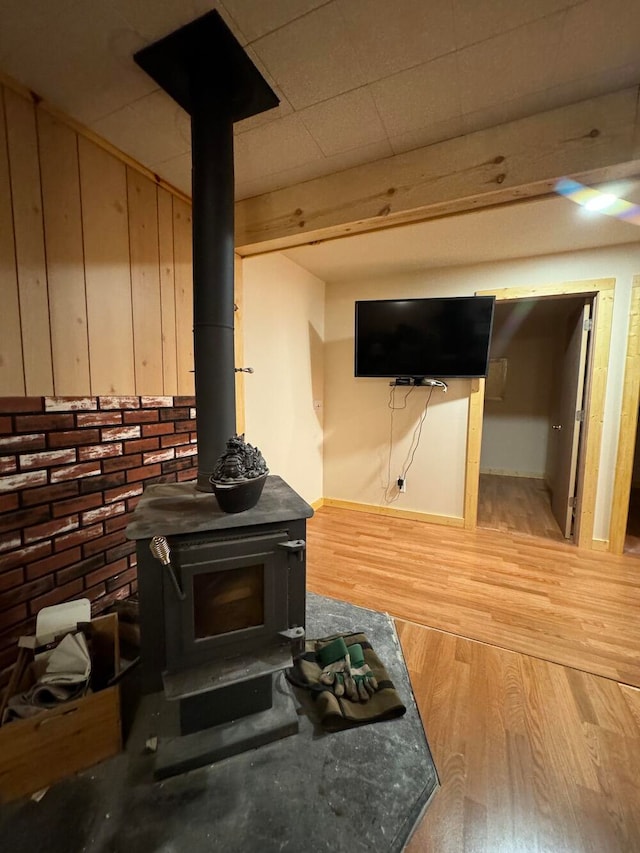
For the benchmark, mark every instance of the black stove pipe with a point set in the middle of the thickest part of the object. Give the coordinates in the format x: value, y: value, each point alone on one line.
x: 213, y: 276
x: 203, y: 67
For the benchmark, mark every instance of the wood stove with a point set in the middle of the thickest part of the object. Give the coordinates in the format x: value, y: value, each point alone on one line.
x: 224, y: 606
x: 226, y: 613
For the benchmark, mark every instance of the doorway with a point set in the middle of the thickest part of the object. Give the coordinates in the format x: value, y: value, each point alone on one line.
x: 602, y: 292
x: 533, y: 416
x: 632, y: 537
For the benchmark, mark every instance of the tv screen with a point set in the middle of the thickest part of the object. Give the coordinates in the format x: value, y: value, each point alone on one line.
x: 437, y: 338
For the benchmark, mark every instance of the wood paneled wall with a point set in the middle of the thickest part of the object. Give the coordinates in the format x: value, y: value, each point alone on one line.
x: 95, y: 267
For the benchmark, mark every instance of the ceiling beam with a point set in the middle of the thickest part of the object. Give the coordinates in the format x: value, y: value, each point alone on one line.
x: 594, y: 140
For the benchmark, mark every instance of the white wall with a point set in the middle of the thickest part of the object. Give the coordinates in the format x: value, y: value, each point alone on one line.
x: 356, y: 413
x: 283, y: 342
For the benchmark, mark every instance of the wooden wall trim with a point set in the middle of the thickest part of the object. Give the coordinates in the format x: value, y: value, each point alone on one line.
x: 592, y: 140
x: 604, y: 290
x: 474, y: 448
x: 628, y: 427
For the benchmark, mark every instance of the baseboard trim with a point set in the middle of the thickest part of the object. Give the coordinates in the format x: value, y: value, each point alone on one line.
x: 600, y: 545
x: 317, y: 504
x: 412, y: 515
x: 527, y: 475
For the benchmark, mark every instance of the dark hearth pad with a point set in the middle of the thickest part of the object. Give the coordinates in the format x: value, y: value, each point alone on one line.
x: 358, y: 790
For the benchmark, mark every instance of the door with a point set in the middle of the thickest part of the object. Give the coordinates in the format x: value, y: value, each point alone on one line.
x: 566, y: 429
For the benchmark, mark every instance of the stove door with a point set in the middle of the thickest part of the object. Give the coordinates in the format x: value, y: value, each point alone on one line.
x: 235, y: 597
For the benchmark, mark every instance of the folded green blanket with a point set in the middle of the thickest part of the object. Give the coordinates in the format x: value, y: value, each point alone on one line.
x: 337, y: 713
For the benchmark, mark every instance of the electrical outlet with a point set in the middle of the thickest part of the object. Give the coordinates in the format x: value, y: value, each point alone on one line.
x: 402, y: 484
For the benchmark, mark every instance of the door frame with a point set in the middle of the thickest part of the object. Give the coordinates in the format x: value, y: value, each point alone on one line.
x: 628, y: 427
x: 602, y: 290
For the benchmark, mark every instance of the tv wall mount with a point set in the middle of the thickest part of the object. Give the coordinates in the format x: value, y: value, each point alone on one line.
x: 420, y: 381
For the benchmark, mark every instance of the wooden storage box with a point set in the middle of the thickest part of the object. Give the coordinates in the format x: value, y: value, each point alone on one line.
x: 44, y: 749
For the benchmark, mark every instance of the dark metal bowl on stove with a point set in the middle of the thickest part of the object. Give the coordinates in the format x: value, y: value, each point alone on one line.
x: 238, y: 495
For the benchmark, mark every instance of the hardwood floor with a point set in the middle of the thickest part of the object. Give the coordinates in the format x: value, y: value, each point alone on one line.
x: 532, y: 756
x: 536, y: 743
x: 547, y: 599
x: 518, y: 505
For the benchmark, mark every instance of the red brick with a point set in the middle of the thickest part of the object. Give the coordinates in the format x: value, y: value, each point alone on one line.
x: 10, y: 541
x: 156, y: 402
x: 122, y: 463
x: 133, y: 559
x: 52, y: 564
x: 158, y: 456
x: 119, y: 580
x: 119, y: 551
x: 22, y: 481
x: 157, y: 429
x: 120, y: 433
x: 122, y: 493
x: 70, y: 404
x: 175, y: 414
x: 103, y: 544
x: 11, y: 578
x: 94, y: 593
x: 174, y: 440
x: 12, y: 634
x: 6, y: 426
x: 132, y: 503
x: 117, y: 523
x: 81, y: 568
x: 187, y: 450
x: 185, y: 426
x: 73, y: 437
x: 25, y: 555
x: 119, y: 402
x: 24, y: 518
x: 77, y: 504
x: 99, y: 514
x: 10, y: 617
x: 69, y: 540
x: 34, y: 441
x: 33, y: 423
x: 105, y: 572
x: 177, y: 465
x: 13, y: 405
x: 106, y: 601
x: 143, y: 416
x: 75, y: 472
x: 143, y: 473
x: 56, y: 596
x: 190, y: 474
x: 8, y: 502
x: 184, y: 400
x: 51, y: 528
x: 100, y: 451
x: 107, y: 481
x: 25, y: 592
x: 134, y: 587
x: 142, y: 445
x: 8, y: 464
x: 98, y: 419
x: 48, y: 494
x: 46, y: 459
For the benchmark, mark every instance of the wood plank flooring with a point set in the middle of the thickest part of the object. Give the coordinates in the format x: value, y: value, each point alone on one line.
x: 547, y: 599
x: 517, y: 505
x: 536, y: 743
x: 532, y: 756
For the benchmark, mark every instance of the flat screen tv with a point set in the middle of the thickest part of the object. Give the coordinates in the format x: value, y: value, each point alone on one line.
x: 441, y: 338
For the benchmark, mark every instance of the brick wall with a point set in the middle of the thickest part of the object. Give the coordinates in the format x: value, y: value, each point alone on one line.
x: 71, y: 473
